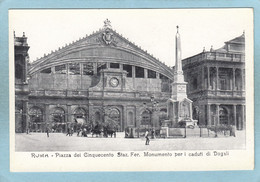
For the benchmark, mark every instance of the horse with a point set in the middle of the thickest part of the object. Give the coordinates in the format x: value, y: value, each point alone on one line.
x: 97, y: 130
x: 109, y: 132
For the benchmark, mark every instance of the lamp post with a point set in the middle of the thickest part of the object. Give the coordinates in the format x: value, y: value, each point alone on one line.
x: 153, y: 110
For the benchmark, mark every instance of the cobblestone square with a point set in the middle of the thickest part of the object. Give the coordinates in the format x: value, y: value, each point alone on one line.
x: 61, y: 142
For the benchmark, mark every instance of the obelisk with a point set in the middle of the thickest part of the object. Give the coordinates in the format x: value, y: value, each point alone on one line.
x: 178, y: 106
x: 178, y: 86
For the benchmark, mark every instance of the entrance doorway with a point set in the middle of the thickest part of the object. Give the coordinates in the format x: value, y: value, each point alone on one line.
x: 58, y: 120
x: 36, y: 120
x: 223, y: 116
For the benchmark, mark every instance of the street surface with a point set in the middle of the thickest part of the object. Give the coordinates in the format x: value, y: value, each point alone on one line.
x: 60, y: 142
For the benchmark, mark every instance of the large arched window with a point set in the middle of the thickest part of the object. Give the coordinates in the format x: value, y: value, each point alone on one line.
x: 58, y: 120
x: 36, y: 120
x: 114, y: 114
x: 79, y: 115
x: 35, y: 114
x: 58, y: 115
x: 97, y: 117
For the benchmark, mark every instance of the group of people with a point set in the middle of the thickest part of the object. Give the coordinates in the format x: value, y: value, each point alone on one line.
x: 82, y: 132
x: 70, y: 131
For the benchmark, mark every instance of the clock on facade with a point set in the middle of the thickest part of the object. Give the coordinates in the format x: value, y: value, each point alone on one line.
x: 114, y: 82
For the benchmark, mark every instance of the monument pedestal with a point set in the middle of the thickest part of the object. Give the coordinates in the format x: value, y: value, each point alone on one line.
x: 179, y: 110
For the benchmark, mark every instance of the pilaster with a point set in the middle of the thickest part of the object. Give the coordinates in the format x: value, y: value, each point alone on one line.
x: 208, y: 114
x: 235, y: 114
x: 217, y: 115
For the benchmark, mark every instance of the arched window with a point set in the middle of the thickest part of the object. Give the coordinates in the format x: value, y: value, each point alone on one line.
x: 36, y: 120
x: 130, y: 118
x: 58, y: 115
x: 114, y: 114
x: 194, y: 84
x: 97, y: 117
x: 79, y: 115
x: 35, y: 114
x: 223, y: 115
x: 146, y: 118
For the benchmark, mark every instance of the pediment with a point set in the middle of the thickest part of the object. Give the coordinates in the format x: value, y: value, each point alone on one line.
x: 102, y: 44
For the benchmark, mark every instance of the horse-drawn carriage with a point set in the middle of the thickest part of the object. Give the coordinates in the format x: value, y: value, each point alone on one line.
x: 98, y: 129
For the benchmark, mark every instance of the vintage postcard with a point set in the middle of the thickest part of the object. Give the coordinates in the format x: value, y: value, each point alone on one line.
x: 131, y: 89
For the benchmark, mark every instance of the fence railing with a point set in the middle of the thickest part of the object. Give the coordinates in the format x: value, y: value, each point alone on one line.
x: 183, y: 132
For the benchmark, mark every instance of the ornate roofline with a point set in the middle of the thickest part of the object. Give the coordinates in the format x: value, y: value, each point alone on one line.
x: 67, y: 47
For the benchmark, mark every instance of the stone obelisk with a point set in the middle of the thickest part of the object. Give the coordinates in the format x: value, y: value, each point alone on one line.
x: 178, y: 86
x: 178, y: 106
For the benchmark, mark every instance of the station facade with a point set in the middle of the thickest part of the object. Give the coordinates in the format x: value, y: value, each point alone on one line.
x: 102, y: 77
x: 105, y: 78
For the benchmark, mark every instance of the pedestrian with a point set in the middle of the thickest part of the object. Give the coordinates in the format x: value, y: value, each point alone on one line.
x: 79, y: 132
x: 71, y: 131
x: 153, y: 134
x: 147, y: 138
x: 68, y: 132
x: 47, y: 131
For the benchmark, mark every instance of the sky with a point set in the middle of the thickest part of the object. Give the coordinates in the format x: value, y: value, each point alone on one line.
x: 152, y: 29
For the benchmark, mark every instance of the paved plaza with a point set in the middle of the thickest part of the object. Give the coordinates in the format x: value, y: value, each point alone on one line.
x: 61, y: 142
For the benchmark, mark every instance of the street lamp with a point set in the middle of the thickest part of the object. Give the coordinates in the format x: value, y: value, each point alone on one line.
x: 153, y: 109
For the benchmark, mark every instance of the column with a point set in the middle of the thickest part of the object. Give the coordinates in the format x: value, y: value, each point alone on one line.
x: 235, y: 114
x: 91, y: 113
x: 95, y: 68
x: 243, y: 124
x: 243, y: 78
x: 208, y: 77
x: 202, y: 78
x: 145, y: 73
x: 234, y: 79
x: 25, y: 116
x: 157, y: 75
x: 81, y: 68
x: 123, y: 118
x: 208, y: 114
x: 146, y: 80
x: 217, y: 79
x: 25, y: 69
x: 121, y: 67
x: 67, y: 117
x: 69, y: 113
x: 81, y: 74
x: 46, y: 117
x: 133, y: 71
x: 67, y: 74
x: 217, y: 114
x: 53, y: 69
x: 133, y: 76
x: 53, y: 77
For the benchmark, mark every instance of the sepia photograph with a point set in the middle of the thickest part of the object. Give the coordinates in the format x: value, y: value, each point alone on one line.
x: 132, y: 83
